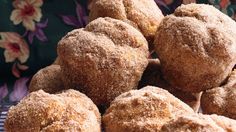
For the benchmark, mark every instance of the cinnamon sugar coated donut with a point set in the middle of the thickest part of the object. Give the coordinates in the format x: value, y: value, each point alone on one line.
x: 221, y: 100
x: 155, y: 109
x: 197, y: 47
x: 143, y: 110
x: 47, y: 79
x: 142, y: 14
x: 104, y: 59
x: 67, y: 111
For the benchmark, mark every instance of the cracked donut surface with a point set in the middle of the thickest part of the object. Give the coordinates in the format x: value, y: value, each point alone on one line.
x: 66, y: 111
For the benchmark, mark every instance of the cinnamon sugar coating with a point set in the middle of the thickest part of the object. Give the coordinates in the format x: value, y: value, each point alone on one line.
x: 197, y: 47
x: 66, y: 111
x: 221, y: 100
x: 47, y: 79
x: 155, y: 109
x: 142, y: 14
x: 104, y: 59
x: 142, y: 110
x: 200, y: 123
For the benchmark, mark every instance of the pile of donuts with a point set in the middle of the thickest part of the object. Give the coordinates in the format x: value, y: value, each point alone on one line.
x: 131, y: 69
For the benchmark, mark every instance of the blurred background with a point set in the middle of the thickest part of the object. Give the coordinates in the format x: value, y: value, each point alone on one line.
x: 31, y: 29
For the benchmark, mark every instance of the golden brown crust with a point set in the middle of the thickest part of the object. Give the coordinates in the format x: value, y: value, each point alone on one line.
x: 221, y: 100
x: 197, y: 47
x: 40, y: 111
x: 153, y: 76
x: 47, y: 79
x: 141, y: 110
x: 104, y: 59
x: 143, y: 14
x: 200, y: 123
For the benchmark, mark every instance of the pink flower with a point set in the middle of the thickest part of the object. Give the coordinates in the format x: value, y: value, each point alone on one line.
x: 26, y: 11
x: 19, y: 90
x: 224, y: 3
x: 15, y: 47
x: 17, y: 68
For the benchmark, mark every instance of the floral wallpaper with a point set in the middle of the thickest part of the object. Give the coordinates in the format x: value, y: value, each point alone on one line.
x: 30, y: 30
